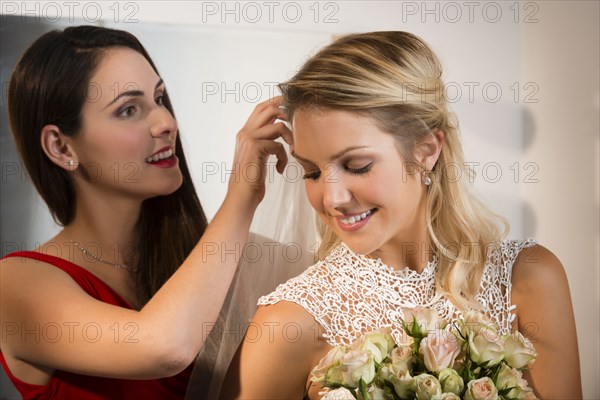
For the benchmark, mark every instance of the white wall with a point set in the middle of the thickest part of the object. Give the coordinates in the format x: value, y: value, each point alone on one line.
x: 541, y: 133
x: 561, y: 54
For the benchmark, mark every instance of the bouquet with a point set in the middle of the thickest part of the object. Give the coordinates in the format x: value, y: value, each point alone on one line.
x: 466, y: 360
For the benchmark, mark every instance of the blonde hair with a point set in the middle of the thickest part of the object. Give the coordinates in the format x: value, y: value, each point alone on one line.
x: 396, y: 79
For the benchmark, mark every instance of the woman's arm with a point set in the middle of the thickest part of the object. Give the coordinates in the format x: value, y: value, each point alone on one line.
x: 545, y: 316
x: 165, y: 336
x: 282, y: 345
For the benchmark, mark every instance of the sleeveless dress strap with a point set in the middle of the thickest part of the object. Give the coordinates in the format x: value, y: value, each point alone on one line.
x: 89, y: 282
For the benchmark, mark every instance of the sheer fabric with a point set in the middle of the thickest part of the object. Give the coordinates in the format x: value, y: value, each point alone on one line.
x: 281, y: 245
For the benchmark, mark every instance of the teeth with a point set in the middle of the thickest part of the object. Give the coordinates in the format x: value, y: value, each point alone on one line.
x: 160, y: 156
x: 355, y: 218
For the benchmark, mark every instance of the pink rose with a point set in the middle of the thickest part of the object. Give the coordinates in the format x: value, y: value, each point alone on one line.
x: 426, y: 319
x: 446, y: 396
x: 473, y: 321
x: 402, y: 358
x: 440, y: 348
x: 481, y: 389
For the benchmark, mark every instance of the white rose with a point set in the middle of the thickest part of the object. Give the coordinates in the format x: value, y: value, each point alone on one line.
x: 376, y: 393
x: 325, y: 371
x: 379, y: 343
x: 426, y: 386
x: 510, y: 378
x: 518, y: 351
x: 403, y: 384
x: 356, y: 365
x: 486, y: 348
x: 451, y: 381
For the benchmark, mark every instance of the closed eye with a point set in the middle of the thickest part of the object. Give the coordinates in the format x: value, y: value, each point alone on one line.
x: 313, y: 176
x: 360, y: 171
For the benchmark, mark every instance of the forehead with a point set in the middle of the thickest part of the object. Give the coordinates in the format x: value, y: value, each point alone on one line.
x: 326, y: 131
x: 123, y: 69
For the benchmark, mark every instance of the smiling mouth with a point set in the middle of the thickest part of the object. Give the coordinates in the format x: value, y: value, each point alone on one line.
x: 357, y: 218
x: 163, y: 155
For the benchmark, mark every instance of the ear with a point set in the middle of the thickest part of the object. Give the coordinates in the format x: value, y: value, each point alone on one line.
x: 428, y: 150
x: 58, y: 147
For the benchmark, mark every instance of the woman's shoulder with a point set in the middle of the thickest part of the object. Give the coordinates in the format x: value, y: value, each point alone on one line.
x: 536, y: 269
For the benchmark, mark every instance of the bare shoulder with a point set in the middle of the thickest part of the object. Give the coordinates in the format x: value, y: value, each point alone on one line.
x: 537, y: 270
x: 295, y: 326
x: 278, y: 333
x: 541, y: 293
x: 33, y: 290
x: 540, y: 290
x: 21, y: 275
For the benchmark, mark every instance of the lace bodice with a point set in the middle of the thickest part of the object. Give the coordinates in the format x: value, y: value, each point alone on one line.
x: 350, y: 294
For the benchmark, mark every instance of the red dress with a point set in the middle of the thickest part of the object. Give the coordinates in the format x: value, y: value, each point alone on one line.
x: 67, y: 385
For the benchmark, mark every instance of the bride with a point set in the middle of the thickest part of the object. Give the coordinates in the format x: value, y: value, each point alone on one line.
x: 382, y: 161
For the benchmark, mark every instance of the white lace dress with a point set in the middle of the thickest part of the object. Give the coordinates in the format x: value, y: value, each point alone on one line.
x: 350, y: 295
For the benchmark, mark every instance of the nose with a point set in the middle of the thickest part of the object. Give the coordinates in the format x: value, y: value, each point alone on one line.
x: 336, y: 194
x: 162, y: 123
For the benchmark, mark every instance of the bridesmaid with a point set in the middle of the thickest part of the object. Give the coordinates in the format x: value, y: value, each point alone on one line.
x: 115, y: 305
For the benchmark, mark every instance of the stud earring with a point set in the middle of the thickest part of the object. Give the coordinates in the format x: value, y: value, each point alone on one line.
x: 71, y: 163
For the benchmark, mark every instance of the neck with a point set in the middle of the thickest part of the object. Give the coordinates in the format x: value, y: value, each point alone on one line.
x: 410, y: 248
x: 105, y: 222
x: 399, y: 254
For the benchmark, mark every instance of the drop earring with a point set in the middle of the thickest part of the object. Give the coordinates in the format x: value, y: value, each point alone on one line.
x: 426, y: 178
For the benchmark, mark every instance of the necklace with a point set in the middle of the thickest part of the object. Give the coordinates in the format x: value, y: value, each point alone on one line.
x: 95, y: 257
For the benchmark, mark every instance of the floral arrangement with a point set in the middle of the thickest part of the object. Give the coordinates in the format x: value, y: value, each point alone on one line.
x: 466, y: 360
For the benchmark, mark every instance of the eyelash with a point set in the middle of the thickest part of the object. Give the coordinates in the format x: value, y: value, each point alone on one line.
x: 120, y: 113
x: 314, y: 176
x: 124, y: 112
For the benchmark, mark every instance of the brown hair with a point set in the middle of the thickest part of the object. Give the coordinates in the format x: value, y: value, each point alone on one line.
x: 49, y: 86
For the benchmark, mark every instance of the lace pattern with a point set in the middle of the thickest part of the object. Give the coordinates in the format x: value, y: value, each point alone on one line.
x: 349, y: 294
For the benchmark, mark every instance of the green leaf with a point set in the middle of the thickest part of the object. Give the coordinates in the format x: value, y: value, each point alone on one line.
x: 363, y: 389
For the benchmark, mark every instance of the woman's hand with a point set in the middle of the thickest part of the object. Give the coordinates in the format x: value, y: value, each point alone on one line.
x: 255, y: 142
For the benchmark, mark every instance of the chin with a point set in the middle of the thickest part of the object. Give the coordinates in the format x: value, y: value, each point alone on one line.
x: 166, y: 189
x: 359, y: 246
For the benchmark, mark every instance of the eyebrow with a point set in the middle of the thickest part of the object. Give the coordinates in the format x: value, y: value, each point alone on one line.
x: 131, y: 93
x: 334, y: 157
